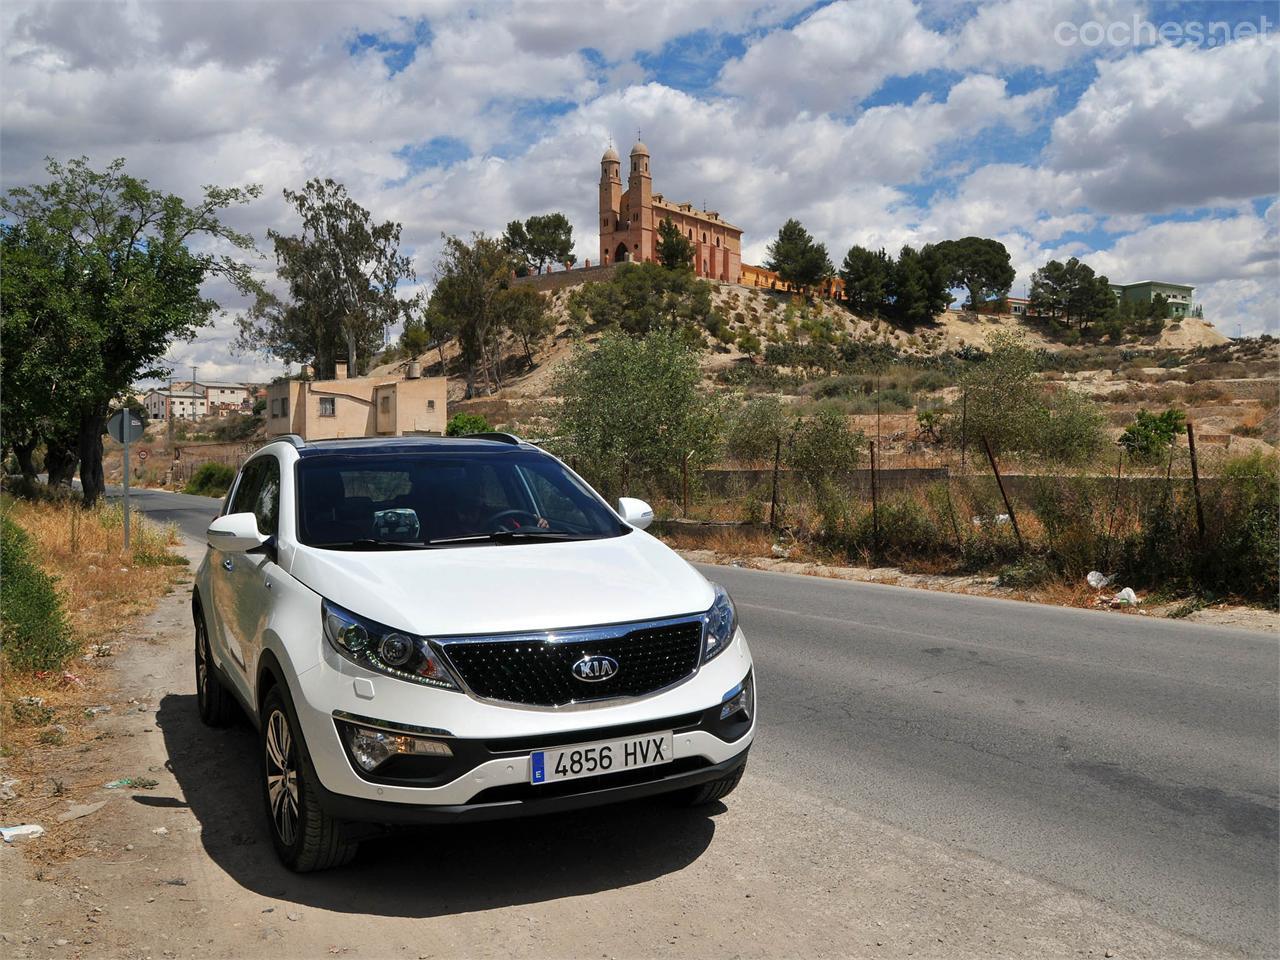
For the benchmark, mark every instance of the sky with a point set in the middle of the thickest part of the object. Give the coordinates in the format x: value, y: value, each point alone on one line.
x: 1143, y: 138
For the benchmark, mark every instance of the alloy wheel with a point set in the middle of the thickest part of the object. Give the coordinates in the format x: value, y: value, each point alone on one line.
x: 282, y: 777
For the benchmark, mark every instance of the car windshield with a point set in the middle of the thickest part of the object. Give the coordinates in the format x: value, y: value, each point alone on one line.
x: 443, y: 498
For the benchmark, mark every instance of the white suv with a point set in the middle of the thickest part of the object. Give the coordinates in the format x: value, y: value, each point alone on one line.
x: 431, y: 630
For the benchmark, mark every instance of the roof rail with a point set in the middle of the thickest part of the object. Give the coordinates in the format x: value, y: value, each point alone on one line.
x: 292, y: 438
x: 493, y: 435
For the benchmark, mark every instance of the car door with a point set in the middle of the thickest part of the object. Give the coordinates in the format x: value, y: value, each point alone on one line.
x: 225, y: 628
x: 249, y: 576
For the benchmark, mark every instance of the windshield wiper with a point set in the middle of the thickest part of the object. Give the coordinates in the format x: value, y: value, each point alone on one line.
x: 511, y: 536
x: 372, y: 543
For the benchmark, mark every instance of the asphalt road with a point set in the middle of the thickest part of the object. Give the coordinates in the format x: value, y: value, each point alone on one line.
x: 1133, y: 760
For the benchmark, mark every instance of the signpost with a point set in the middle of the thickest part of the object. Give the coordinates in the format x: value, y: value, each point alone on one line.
x: 125, y: 426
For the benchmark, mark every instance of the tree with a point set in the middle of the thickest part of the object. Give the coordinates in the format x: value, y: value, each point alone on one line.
x: 798, y: 258
x: 633, y: 412
x: 39, y: 380
x: 918, y: 285
x: 427, y: 326
x: 675, y: 250
x: 979, y: 265
x: 642, y: 297
x: 1006, y: 403
x: 129, y: 284
x: 469, y: 277
x: 539, y: 240
x: 522, y: 311
x: 867, y: 275
x: 1071, y: 291
x: 755, y: 430
x: 462, y: 424
x: 342, y: 272
x: 824, y: 448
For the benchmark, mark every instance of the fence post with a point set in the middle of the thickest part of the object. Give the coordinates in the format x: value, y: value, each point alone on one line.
x: 1115, y: 503
x: 684, y: 484
x: 875, y: 509
x: 1195, y: 483
x: 773, y: 497
x: 1013, y: 517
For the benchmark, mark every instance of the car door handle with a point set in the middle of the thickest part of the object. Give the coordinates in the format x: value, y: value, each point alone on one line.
x: 228, y: 565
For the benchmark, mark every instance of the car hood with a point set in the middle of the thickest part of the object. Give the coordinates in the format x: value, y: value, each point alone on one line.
x: 505, y: 588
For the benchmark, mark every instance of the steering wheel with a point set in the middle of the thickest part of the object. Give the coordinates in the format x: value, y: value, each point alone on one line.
x: 502, y: 515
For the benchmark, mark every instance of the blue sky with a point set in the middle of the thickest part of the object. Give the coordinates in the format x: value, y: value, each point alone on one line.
x: 876, y: 122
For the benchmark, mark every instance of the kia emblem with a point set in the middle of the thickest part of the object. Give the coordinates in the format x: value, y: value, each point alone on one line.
x: 593, y: 669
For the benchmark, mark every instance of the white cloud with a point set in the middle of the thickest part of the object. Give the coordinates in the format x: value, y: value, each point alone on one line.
x: 833, y: 59
x: 1176, y: 127
x: 1014, y: 33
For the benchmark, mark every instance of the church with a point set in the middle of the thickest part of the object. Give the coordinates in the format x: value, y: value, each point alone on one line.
x: 629, y: 221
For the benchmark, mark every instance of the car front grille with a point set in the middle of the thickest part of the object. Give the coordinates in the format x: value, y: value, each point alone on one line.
x: 537, y: 669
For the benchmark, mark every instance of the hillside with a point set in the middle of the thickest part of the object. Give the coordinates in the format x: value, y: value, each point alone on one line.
x: 1190, y: 364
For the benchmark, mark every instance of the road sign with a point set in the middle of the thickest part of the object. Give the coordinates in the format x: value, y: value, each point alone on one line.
x: 125, y: 426
x: 142, y: 454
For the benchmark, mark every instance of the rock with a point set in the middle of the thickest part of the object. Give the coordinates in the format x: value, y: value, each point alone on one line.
x: 161, y: 831
x: 94, y: 711
x: 1109, y: 954
x: 77, y: 810
x: 292, y: 916
x: 6, y: 789
x: 61, y: 942
x: 21, y: 831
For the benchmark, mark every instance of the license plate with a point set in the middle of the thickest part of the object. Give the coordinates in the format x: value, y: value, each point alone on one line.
x: 604, y: 756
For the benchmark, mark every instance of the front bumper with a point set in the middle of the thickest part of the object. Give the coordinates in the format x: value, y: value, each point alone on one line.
x: 575, y: 795
x: 491, y: 743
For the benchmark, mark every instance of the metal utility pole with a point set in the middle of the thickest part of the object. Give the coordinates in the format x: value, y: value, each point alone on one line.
x: 1195, y: 482
x: 169, y: 410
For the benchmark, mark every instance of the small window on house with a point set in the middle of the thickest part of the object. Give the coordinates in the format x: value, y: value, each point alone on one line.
x: 327, y: 407
x: 284, y: 406
x: 431, y: 404
x: 386, y: 403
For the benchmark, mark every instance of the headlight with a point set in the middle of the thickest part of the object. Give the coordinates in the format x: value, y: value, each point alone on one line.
x: 722, y: 621
x: 377, y: 647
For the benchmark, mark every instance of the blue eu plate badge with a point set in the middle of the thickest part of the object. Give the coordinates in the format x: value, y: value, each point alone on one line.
x: 539, y: 771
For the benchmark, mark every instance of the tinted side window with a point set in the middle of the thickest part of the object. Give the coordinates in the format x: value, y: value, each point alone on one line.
x: 266, y: 501
x: 247, y: 488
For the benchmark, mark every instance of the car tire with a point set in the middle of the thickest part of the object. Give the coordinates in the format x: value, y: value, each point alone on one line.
x: 217, y: 708
x: 306, y: 838
x: 712, y: 791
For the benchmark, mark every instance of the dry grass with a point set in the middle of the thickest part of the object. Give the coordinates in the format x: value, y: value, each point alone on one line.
x: 103, y: 589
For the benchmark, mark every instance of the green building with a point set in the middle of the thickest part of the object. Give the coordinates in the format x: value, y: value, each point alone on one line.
x: 1178, y: 294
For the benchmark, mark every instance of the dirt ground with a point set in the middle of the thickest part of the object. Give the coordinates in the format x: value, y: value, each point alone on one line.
x: 185, y: 868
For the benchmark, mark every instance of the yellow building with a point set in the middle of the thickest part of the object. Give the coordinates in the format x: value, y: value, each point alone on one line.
x: 763, y: 277
x: 391, y: 405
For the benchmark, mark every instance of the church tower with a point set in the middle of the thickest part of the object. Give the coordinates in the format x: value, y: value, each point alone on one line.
x: 640, y: 204
x: 610, y: 201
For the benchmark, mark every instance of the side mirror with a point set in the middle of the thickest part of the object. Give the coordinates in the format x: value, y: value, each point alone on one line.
x: 635, y: 512
x: 235, y: 533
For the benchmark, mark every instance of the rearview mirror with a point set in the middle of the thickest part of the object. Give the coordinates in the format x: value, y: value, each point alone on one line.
x: 636, y: 512
x: 235, y: 533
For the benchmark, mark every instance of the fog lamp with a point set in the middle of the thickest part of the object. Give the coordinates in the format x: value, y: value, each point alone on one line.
x: 371, y: 747
x: 739, y: 700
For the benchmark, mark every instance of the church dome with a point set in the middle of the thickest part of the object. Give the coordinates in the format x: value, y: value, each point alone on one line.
x: 639, y: 149
x: 610, y: 154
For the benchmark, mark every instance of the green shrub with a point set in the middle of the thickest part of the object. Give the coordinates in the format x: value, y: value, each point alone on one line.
x: 211, y: 480
x: 1150, y: 435
x: 461, y: 424
x: 34, y: 634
